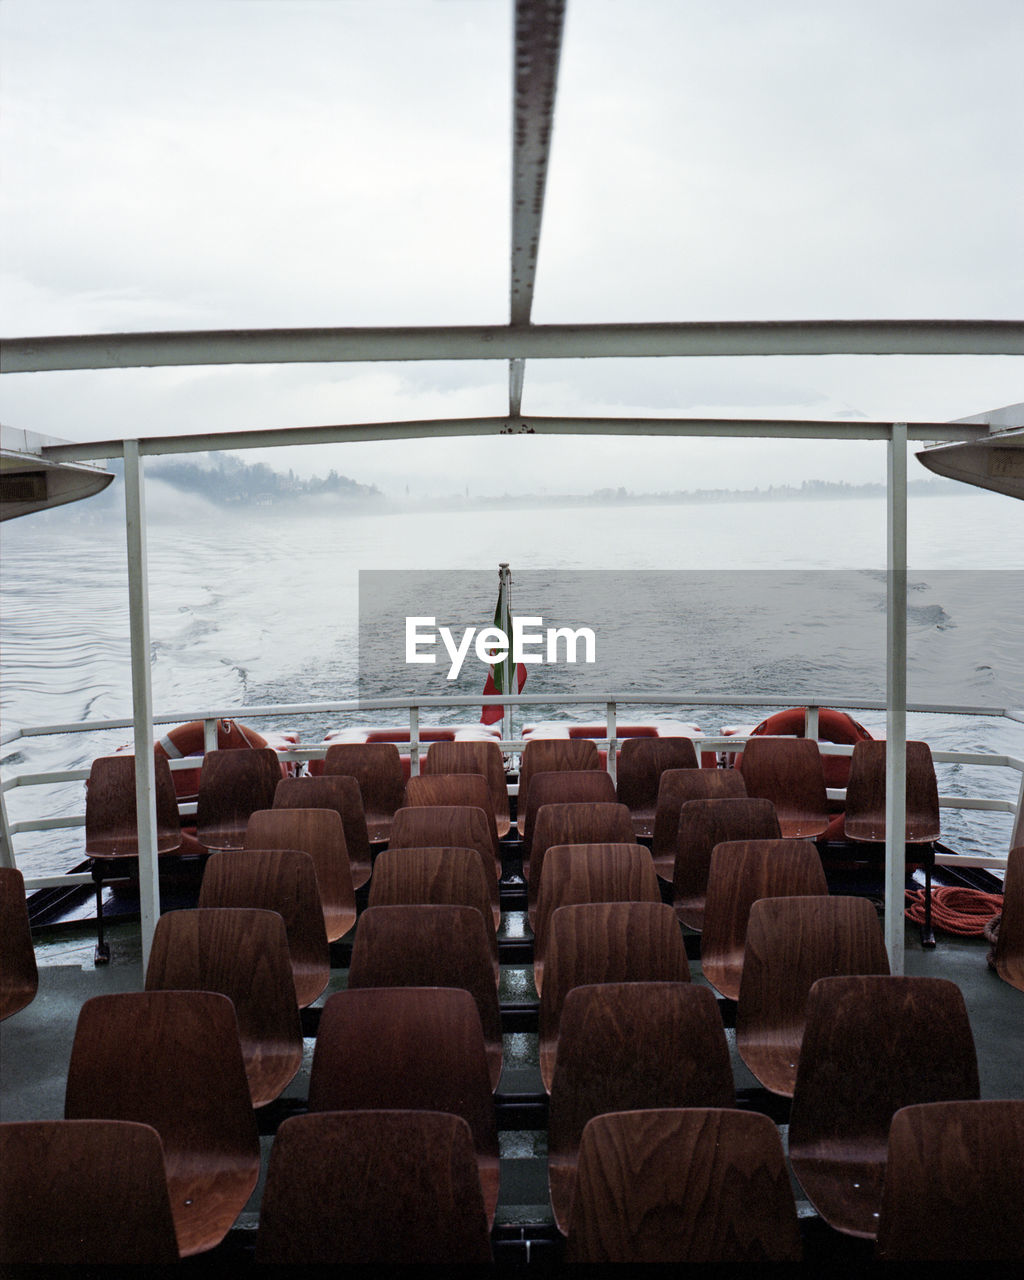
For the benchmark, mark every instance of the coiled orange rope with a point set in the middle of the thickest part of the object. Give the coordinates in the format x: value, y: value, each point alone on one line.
x: 956, y: 910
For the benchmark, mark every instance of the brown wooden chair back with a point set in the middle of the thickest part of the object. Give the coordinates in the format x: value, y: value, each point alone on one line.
x: 585, y: 822
x: 282, y: 880
x: 788, y: 772
x: 953, y: 1180
x: 232, y: 785
x: 342, y: 794
x: 408, y: 877
x: 605, y: 942
x: 702, y: 825
x: 638, y: 769
x: 624, y: 1046
x: 80, y: 1193
x: 171, y: 1059
x: 19, y: 976
x: 872, y: 1045
x: 241, y: 952
x: 575, y: 873
x: 1009, y: 948
x: 409, y: 1049
x: 450, y: 827
x: 865, y: 794
x: 545, y: 755
x: 676, y: 787
x: 111, y: 826
x: 742, y: 871
x: 373, y: 1187
x: 563, y: 786
x: 430, y: 945
x: 693, y: 1185
x: 791, y: 943
x: 475, y: 757
x: 321, y: 834
x: 465, y: 790
x: 377, y: 767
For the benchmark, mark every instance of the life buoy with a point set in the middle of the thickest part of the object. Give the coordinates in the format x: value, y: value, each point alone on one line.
x: 190, y: 740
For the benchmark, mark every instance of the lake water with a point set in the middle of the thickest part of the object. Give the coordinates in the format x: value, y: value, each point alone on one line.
x: 262, y: 608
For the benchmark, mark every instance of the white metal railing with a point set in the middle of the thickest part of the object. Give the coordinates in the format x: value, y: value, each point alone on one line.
x: 302, y: 753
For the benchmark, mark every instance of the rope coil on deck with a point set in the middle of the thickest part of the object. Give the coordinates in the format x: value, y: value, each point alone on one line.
x: 956, y: 910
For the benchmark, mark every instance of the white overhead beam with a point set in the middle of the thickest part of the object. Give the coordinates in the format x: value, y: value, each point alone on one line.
x: 538, y: 44
x: 767, y: 428
x: 510, y: 342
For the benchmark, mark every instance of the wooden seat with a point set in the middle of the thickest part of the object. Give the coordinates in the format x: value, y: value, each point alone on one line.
x: 407, y: 877
x: 241, y: 952
x: 1009, y: 948
x: 638, y: 769
x: 232, y: 785
x: 702, y: 825
x: 791, y: 943
x: 373, y: 1187
x: 742, y: 871
x: 475, y: 757
x: 789, y: 772
x: 865, y: 808
x: 430, y: 945
x: 171, y: 1059
x: 282, y: 880
x: 111, y: 825
x: 563, y: 786
x: 463, y: 790
x: 677, y: 786
x: 342, y: 794
x: 377, y: 767
x: 78, y: 1193
x: 545, y: 755
x: 575, y: 873
x: 872, y: 1045
x: 450, y: 827
x: 626, y: 1046
x: 581, y: 823
x: 692, y: 1185
x: 409, y: 1049
x: 19, y: 976
x: 605, y: 942
x: 321, y: 834
x: 953, y: 1184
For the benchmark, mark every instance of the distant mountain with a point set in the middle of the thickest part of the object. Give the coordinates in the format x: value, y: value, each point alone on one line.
x: 224, y: 479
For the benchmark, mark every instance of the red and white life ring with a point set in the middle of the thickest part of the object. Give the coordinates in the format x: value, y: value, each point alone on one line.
x: 190, y: 740
x: 833, y: 726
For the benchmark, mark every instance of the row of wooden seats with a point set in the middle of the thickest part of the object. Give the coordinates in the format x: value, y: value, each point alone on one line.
x: 171, y: 1060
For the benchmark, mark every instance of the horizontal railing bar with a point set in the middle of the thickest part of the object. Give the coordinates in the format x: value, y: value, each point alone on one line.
x: 519, y: 700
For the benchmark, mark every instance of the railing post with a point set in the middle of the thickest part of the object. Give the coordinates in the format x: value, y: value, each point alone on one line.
x: 6, y: 841
x: 811, y: 722
x: 896, y: 697
x: 612, y: 727
x: 414, y: 741
x: 142, y: 693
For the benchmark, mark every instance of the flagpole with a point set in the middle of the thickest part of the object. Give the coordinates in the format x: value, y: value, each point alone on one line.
x: 505, y: 596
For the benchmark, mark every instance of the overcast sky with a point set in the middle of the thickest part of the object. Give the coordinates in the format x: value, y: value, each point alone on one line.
x: 181, y: 164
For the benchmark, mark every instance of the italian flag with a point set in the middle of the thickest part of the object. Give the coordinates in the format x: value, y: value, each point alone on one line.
x: 501, y: 676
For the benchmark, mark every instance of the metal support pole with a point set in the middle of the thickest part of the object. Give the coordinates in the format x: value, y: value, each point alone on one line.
x: 142, y: 693
x: 896, y: 697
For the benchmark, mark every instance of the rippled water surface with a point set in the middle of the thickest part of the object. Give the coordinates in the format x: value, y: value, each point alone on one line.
x: 252, y: 611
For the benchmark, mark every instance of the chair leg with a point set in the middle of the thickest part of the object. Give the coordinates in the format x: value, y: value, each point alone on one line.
x: 927, y: 936
x: 102, y: 952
